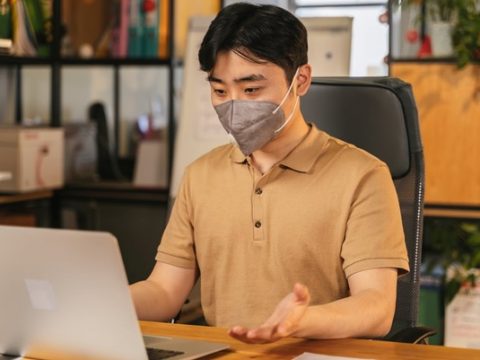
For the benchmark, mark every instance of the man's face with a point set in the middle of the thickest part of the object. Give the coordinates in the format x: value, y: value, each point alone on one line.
x: 237, y: 78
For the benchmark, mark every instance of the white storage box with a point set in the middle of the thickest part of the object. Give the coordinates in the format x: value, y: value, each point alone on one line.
x: 462, y: 314
x: 31, y: 159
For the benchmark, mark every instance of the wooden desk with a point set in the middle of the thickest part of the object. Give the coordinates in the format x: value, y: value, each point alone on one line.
x: 16, y: 198
x: 26, y: 209
x: 289, y: 348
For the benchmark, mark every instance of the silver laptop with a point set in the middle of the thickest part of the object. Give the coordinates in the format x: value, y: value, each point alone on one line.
x: 64, y: 295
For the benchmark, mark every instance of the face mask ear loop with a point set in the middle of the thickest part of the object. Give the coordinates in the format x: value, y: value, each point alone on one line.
x: 289, y: 118
x: 294, y: 80
x: 231, y: 139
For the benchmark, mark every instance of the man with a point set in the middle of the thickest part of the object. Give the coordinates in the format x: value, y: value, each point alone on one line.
x: 291, y: 231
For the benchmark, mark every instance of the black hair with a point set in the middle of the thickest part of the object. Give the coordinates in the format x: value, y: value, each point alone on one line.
x: 258, y: 33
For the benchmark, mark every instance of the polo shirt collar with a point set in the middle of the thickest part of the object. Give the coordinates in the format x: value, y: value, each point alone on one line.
x: 301, y: 158
x: 237, y: 156
x: 305, y: 154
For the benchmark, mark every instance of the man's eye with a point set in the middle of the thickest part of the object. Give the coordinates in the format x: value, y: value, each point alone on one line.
x: 219, y: 91
x: 251, y: 90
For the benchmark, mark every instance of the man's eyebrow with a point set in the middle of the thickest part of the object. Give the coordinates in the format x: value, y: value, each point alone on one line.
x: 252, y: 77
x: 211, y: 78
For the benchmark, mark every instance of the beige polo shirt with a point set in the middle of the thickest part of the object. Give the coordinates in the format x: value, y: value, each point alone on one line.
x: 325, y: 212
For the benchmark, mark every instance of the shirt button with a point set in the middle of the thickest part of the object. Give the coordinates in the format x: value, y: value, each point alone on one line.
x: 258, y: 191
x: 258, y: 224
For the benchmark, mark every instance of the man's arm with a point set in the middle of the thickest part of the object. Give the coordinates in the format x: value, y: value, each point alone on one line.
x: 367, y: 312
x: 161, y: 296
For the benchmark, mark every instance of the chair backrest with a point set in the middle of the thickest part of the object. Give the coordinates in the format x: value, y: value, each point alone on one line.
x: 379, y: 115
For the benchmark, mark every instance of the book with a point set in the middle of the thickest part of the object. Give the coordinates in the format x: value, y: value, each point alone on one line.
x: 120, y: 30
x: 24, y: 41
x: 150, y: 28
x: 31, y: 27
x: 39, y: 16
x: 135, y: 29
x: 163, y: 30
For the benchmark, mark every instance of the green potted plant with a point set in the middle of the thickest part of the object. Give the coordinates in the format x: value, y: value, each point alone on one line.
x: 451, y: 271
x: 442, y: 15
x: 454, y: 27
x: 466, y: 33
x: 456, y: 248
x: 460, y: 257
x: 442, y: 10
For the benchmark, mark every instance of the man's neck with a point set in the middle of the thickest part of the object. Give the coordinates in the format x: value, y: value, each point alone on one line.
x: 281, y: 146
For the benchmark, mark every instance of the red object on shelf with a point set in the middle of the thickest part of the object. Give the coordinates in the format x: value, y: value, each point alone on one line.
x: 412, y: 36
x: 148, y: 5
x: 426, y: 48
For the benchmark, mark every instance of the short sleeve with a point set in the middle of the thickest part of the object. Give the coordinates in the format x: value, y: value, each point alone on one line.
x: 374, y: 235
x: 177, y: 244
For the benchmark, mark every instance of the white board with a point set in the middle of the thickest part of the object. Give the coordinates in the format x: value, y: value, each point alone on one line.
x: 199, y: 129
x: 329, y: 45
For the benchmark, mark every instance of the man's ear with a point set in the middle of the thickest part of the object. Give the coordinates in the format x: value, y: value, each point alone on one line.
x: 304, y: 79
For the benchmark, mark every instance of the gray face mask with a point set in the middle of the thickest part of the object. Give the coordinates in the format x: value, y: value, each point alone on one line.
x: 254, y: 123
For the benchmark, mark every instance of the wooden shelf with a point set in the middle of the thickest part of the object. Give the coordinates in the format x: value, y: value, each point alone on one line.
x: 16, y: 198
x: 113, y: 62
x: 18, y: 60
x: 452, y: 212
x: 115, y: 190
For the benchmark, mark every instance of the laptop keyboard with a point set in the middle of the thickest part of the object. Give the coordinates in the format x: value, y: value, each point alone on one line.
x: 156, y: 354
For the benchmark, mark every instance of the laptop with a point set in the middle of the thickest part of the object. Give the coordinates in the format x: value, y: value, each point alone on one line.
x: 65, y: 295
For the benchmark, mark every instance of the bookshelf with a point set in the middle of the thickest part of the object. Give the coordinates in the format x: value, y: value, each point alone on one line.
x: 55, y: 62
x: 135, y: 215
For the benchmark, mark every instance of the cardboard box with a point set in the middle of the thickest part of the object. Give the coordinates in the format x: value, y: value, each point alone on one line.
x: 151, y: 165
x: 31, y: 159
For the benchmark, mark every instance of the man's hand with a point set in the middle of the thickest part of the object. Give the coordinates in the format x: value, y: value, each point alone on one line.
x: 373, y: 291
x: 282, y: 323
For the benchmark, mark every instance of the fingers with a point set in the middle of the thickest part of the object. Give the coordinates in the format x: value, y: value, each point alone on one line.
x: 283, y: 322
x: 284, y: 330
x: 261, y: 335
x: 240, y: 333
x: 238, y: 330
x: 302, y: 293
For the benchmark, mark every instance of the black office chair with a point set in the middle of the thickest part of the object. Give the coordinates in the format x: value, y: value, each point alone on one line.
x: 379, y: 115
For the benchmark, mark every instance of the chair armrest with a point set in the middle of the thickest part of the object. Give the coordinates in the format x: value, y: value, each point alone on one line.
x: 412, y: 335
